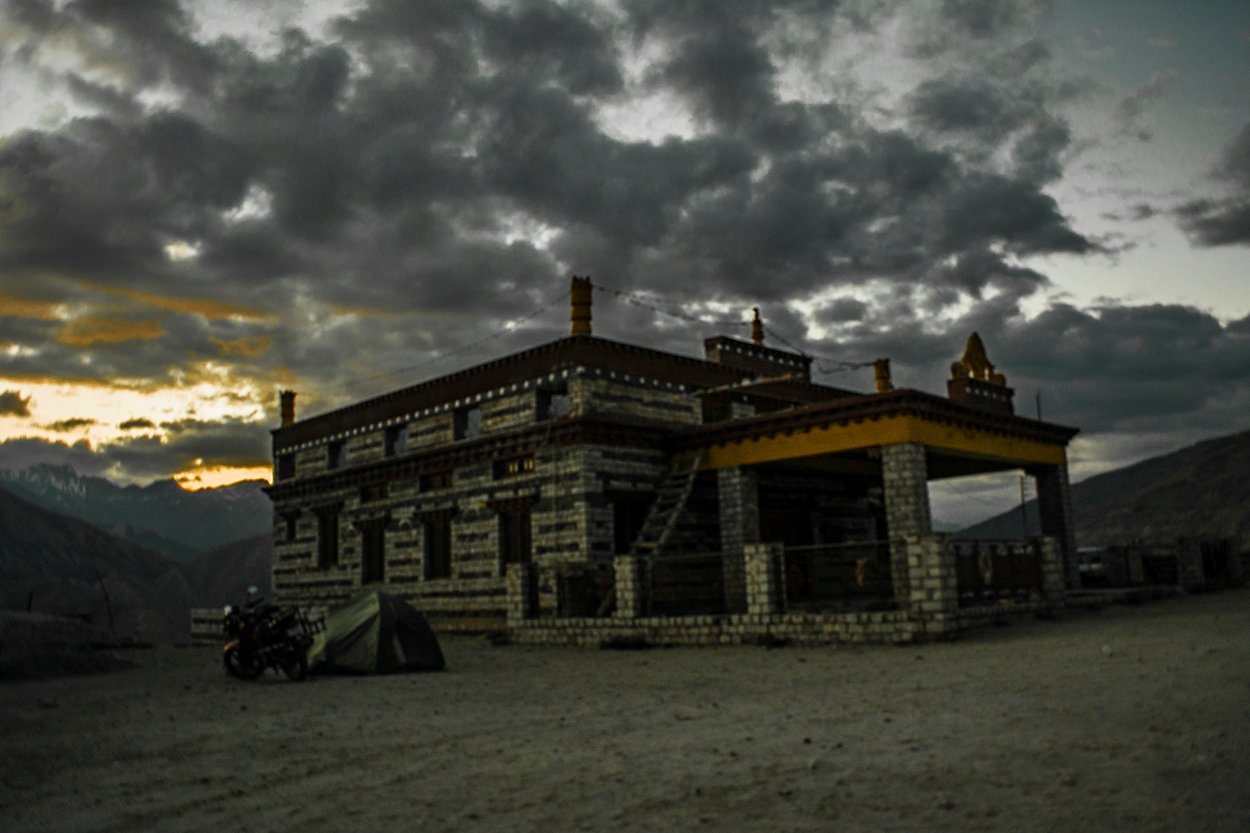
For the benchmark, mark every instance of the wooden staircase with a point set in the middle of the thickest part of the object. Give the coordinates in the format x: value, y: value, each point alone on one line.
x: 670, y: 501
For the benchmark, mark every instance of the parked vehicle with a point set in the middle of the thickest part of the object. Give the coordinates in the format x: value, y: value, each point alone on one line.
x: 1092, y: 566
x: 262, y: 635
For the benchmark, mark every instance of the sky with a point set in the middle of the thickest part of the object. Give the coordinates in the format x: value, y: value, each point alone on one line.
x: 203, y: 202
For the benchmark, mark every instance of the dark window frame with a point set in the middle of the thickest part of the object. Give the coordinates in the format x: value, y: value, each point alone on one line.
x: 467, y: 422
x: 552, y: 403
x: 372, y: 551
x: 436, y: 546
x: 328, y: 536
x: 291, y: 518
x: 515, y: 533
x: 513, y: 467
x: 396, y: 439
x: 336, y: 454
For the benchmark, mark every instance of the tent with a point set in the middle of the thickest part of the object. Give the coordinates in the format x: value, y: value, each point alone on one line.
x: 375, y: 634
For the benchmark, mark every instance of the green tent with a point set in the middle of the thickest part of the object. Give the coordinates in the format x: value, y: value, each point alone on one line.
x: 375, y: 634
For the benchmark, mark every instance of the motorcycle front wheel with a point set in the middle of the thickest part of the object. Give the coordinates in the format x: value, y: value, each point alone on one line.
x: 237, y: 667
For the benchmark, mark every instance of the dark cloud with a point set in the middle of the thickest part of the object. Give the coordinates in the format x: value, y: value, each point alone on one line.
x: 1131, y: 109
x: 1224, y: 221
x: 190, y: 444
x: 388, y: 196
x: 13, y: 404
x: 64, y: 426
x: 22, y: 453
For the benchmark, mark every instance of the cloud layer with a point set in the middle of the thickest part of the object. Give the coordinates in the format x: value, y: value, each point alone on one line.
x: 320, y: 206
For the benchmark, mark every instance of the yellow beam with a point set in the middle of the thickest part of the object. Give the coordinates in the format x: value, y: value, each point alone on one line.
x: 854, y: 436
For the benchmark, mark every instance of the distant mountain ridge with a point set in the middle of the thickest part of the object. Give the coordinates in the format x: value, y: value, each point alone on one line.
x: 55, y: 564
x: 1201, y: 491
x: 161, y: 517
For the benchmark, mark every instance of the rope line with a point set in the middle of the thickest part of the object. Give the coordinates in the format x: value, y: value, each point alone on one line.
x: 822, y: 364
x: 640, y: 301
x: 830, y: 366
x: 439, y: 355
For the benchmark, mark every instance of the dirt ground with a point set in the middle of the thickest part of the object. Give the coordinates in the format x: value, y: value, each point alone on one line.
x: 1132, y: 718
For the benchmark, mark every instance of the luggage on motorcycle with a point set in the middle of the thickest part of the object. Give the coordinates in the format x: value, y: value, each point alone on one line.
x: 375, y: 633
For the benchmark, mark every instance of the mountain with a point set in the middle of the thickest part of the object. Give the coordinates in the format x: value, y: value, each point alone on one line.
x: 222, y: 576
x: 1201, y: 491
x: 161, y: 517
x: 50, y: 563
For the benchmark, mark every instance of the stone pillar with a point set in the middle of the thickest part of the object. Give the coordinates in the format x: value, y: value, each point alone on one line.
x: 628, y: 581
x: 522, y: 592
x: 905, y: 480
x: 1054, y: 507
x: 765, y: 584
x: 1050, y: 556
x: 933, y: 585
x: 738, y: 493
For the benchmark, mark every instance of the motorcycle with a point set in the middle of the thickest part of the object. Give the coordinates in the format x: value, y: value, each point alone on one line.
x: 262, y: 635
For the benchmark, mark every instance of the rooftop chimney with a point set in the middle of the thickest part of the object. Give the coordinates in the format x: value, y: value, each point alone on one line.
x: 881, y: 375
x: 579, y: 305
x: 286, y: 400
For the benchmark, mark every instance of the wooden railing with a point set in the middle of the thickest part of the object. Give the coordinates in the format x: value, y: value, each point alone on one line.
x: 992, y: 571
x: 854, y: 575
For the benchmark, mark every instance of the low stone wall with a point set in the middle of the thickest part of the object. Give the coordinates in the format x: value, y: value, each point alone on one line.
x: 931, y: 610
x: 883, y: 627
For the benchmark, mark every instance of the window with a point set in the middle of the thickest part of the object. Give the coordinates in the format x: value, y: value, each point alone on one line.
x: 284, y: 468
x: 438, y: 545
x: 336, y: 454
x: 372, y: 492
x: 434, y: 480
x: 553, y: 403
x: 372, y: 551
x: 514, y: 535
x: 396, y: 440
x: 515, y: 467
x: 327, y: 536
x: 467, y: 422
x: 292, y: 524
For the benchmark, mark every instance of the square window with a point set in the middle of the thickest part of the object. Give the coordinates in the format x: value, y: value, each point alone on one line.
x: 553, y: 403
x: 515, y: 467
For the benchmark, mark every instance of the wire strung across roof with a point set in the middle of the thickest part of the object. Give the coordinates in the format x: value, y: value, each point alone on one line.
x: 824, y: 364
x: 827, y: 365
x: 439, y: 355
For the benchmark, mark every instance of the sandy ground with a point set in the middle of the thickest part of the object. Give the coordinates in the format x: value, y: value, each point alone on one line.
x: 1134, y: 719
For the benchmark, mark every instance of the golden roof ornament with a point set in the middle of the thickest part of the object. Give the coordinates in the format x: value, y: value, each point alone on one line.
x: 975, y: 364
